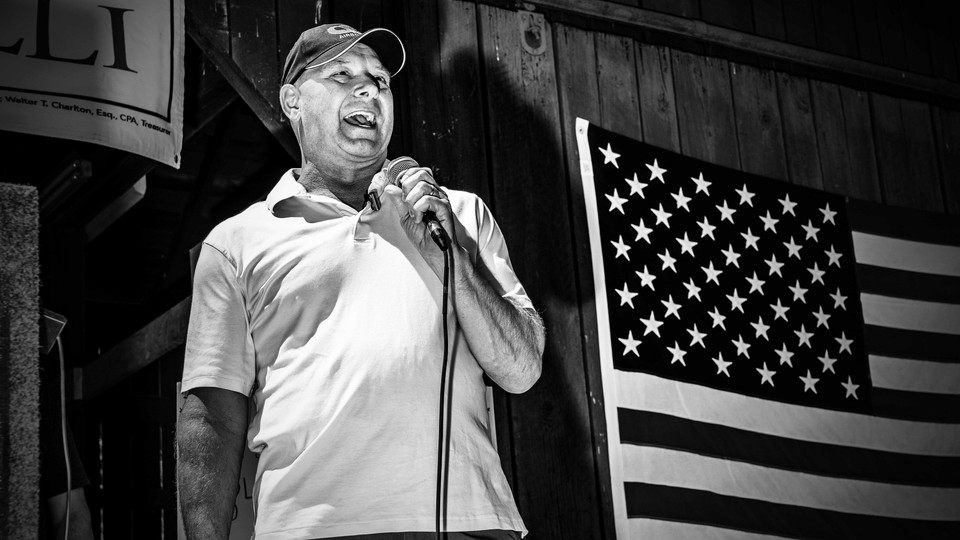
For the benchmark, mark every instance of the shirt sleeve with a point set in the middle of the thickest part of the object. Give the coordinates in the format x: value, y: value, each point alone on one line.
x: 494, y: 259
x: 219, y: 349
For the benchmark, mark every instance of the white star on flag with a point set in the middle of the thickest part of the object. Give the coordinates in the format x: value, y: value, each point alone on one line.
x: 827, y: 362
x: 673, y: 308
x: 717, y: 318
x: 630, y: 344
x: 609, y: 156
x: 622, y: 248
x: 745, y: 196
x: 662, y: 216
x: 721, y: 364
x: 651, y: 325
x: 788, y: 205
x: 696, y: 336
x: 643, y: 232
x: 656, y: 171
x: 681, y: 200
x: 677, y: 353
x: 626, y: 297
x: 828, y: 214
x: 809, y: 383
x: 726, y: 213
x: 636, y: 186
x: 646, y: 278
x: 766, y: 375
x: 702, y: 184
x: 616, y: 201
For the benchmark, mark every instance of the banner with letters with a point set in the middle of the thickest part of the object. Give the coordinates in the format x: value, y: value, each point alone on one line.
x: 102, y: 71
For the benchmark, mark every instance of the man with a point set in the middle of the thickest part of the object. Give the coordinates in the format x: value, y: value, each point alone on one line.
x: 320, y: 313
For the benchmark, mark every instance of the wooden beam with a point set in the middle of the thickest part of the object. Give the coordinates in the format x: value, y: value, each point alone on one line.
x: 266, y: 109
x: 143, y: 347
x: 746, y: 42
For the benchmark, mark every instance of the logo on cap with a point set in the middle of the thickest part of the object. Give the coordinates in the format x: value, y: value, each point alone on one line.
x: 342, y: 31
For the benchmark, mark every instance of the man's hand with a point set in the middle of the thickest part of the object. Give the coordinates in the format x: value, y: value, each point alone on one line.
x: 422, y: 194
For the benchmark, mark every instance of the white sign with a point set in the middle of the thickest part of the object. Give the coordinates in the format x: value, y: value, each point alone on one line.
x: 102, y: 71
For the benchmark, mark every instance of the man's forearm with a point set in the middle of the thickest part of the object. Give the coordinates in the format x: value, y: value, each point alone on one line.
x: 506, y: 339
x: 208, y: 468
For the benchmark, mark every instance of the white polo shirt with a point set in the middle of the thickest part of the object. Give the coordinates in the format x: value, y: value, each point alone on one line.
x: 329, y: 320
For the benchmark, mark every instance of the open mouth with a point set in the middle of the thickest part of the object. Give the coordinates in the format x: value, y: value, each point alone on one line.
x: 361, y: 119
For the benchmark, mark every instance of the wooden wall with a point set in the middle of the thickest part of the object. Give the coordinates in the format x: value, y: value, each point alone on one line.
x: 489, y: 99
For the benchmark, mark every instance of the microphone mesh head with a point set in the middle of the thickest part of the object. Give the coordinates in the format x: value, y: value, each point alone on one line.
x: 396, y: 167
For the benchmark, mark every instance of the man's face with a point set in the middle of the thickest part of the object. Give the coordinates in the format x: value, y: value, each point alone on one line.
x: 347, y: 110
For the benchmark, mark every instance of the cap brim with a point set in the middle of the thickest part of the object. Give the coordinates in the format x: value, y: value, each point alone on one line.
x: 384, y: 42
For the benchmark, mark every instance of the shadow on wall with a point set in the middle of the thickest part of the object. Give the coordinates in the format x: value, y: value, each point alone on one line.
x: 489, y: 122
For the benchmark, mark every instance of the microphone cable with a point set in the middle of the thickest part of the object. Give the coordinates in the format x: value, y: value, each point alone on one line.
x: 63, y: 432
x: 443, y: 442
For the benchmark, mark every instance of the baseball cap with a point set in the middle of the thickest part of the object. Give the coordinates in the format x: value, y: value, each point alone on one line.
x: 321, y: 44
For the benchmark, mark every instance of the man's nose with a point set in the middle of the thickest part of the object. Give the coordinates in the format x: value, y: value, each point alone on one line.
x: 367, y: 87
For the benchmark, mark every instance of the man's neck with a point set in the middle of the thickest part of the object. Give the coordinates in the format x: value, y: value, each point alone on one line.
x: 349, y: 188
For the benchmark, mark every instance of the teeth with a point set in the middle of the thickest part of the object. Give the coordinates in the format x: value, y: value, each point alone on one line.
x: 361, y: 117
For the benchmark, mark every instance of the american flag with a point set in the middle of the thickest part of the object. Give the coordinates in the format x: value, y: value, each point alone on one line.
x: 777, y: 361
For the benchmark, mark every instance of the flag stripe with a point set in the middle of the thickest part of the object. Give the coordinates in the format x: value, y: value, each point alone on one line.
x: 646, y: 392
x: 645, y: 428
x: 912, y: 344
x: 909, y: 224
x: 668, y: 467
x: 906, y: 254
x: 681, y: 504
x: 902, y: 284
x: 911, y: 314
x: 655, y: 528
x: 915, y: 375
x: 918, y: 406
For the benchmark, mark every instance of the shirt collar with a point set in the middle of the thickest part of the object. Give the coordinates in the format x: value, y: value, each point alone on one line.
x: 287, y: 187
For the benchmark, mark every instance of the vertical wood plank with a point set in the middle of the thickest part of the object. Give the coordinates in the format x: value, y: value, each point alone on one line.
x: 868, y: 31
x: 553, y: 456
x: 798, y: 17
x: 463, y: 158
x: 799, y: 131
x: 768, y: 19
x: 759, y: 131
x: 146, y: 516
x: 903, y: 131
x: 939, y: 27
x: 580, y: 96
x: 117, y: 489
x: 845, y: 141
x: 834, y: 20
x: 292, y: 19
x: 658, y: 106
x: 831, y: 136
x: 947, y: 124
x: 863, y: 174
x: 253, y: 41
x: 915, y: 38
x: 171, y: 368
x: 890, y: 24
x: 445, y: 93
x: 617, y: 76
x: 705, y: 109
x: 736, y: 14
x: 212, y: 16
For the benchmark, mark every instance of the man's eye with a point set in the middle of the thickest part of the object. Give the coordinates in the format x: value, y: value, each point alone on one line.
x: 384, y: 82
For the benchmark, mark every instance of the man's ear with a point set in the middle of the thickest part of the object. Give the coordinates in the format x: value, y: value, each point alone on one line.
x: 290, y: 101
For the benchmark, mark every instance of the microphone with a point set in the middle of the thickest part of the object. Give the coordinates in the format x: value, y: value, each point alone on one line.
x: 391, y: 172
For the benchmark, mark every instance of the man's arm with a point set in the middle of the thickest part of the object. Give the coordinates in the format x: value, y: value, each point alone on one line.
x: 210, y: 435
x: 506, y: 339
